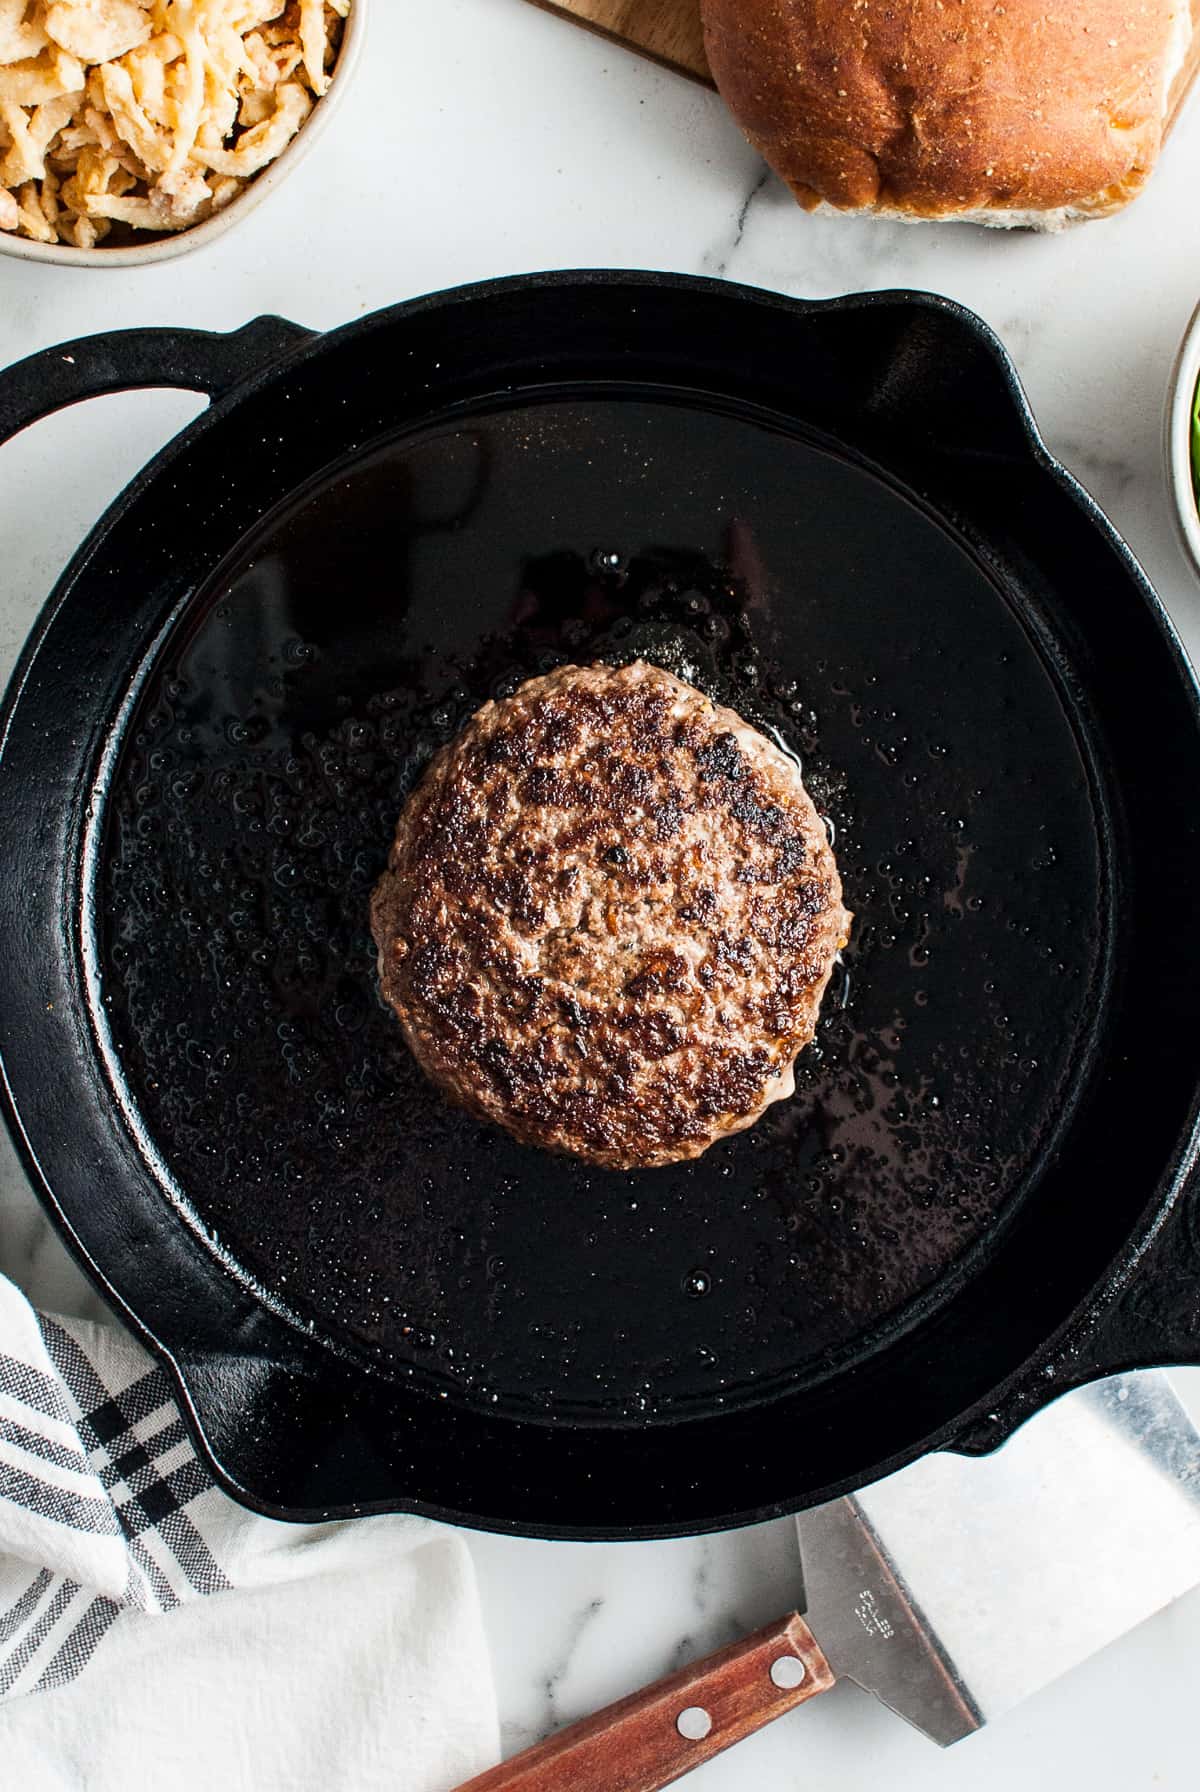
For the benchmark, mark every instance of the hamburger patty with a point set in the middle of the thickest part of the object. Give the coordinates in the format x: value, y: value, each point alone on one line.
x: 609, y: 917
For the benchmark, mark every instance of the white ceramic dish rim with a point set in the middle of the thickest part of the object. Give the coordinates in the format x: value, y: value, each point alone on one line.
x: 1177, y: 440
x: 166, y: 248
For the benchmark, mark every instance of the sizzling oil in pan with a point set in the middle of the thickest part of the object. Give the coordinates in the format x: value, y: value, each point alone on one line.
x: 252, y: 813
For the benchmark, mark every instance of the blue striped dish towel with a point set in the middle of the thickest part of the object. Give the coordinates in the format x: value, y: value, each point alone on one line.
x: 326, y: 1654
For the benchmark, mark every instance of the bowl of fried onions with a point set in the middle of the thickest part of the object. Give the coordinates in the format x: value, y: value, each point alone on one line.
x: 135, y: 130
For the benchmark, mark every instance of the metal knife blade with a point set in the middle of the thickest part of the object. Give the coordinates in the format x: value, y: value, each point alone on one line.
x: 958, y: 1587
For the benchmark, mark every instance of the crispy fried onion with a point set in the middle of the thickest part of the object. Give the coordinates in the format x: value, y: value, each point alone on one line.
x: 150, y: 114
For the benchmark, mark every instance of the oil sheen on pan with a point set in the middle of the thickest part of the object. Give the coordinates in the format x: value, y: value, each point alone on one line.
x: 251, y: 817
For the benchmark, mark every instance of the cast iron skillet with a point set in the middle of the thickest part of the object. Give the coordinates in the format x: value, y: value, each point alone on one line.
x: 838, y: 517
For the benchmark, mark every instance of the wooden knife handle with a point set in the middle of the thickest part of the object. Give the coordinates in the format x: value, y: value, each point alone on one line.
x: 637, y: 1745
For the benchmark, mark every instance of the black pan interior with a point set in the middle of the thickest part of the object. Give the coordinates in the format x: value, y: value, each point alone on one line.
x: 295, y: 702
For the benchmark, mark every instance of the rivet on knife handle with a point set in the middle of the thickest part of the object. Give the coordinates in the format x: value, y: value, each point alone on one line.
x: 655, y: 1736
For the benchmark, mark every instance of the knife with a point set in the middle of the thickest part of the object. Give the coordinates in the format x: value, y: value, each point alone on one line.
x: 951, y: 1591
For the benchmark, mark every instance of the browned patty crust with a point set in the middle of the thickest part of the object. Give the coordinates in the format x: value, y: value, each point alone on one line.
x: 609, y: 917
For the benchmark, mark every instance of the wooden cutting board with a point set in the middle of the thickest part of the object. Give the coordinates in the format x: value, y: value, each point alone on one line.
x: 669, y: 32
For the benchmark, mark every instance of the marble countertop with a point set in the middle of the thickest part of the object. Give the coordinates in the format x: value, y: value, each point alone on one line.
x: 503, y: 140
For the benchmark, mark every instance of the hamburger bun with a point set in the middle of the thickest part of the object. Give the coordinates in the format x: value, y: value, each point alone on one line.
x: 1005, y: 112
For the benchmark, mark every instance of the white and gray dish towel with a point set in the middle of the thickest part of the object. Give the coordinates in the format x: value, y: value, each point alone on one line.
x: 153, y: 1632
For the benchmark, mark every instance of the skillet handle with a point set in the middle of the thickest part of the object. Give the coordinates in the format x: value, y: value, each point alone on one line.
x: 636, y: 1746
x: 124, y: 360
x: 1150, y: 1320
x: 1153, y: 1319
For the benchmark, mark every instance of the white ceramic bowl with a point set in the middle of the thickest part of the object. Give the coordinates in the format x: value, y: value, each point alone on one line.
x: 165, y: 248
x: 1177, y: 440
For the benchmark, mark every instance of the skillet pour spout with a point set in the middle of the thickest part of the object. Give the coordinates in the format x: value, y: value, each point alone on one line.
x: 839, y: 518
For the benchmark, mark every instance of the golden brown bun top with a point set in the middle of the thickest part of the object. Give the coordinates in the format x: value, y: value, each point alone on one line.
x: 936, y: 107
